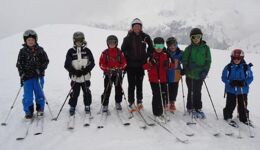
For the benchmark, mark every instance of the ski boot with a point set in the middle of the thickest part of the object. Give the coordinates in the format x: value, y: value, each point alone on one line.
x: 72, y: 111
x: 118, y: 106
x: 105, y: 109
x: 87, y: 109
x: 232, y: 123
x: 172, y: 107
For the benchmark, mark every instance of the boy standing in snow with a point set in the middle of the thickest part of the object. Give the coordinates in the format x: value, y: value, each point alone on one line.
x: 32, y: 63
x: 174, y: 75
x: 79, y: 63
x: 157, y: 67
x: 112, y: 62
x: 134, y: 48
x: 237, y: 76
x: 196, y: 60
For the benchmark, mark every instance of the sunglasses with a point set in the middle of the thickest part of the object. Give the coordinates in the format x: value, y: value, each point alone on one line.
x: 158, y: 46
x: 197, y: 36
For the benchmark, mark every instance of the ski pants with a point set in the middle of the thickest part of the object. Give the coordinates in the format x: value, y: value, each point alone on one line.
x: 108, y: 83
x: 157, y: 103
x: 135, y: 78
x: 173, y: 90
x: 194, y: 94
x: 231, y: 102
x: 87, y: 97
x: 30, y: 87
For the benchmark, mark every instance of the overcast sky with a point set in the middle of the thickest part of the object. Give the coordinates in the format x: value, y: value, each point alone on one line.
x: 19, y: 15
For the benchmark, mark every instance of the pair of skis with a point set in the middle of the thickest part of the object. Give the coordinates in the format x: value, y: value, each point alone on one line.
x: 36, y: 124
x: 72, y: 121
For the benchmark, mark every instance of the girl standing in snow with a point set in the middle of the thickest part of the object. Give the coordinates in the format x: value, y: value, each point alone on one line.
x: 32, y: 63
x: 237, y: 76
x: 174, y: 75
x: 157, y: 67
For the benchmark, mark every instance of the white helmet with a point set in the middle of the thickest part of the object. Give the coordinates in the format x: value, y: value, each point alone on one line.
x: 136, y: 21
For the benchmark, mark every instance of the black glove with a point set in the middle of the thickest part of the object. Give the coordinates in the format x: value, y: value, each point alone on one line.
x: 22, y: 79
x: 153, y: 61
x: 237, y: 83
x: 182, y: 72
x: 77, y: 73
x: 203, y: 75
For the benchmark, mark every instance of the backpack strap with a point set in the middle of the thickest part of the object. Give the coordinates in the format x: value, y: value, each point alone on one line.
x: 118, y: 56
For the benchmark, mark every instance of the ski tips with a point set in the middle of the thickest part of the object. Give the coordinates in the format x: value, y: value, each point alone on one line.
x: 19, y: 138
x: 37, y: 133
x: 86, y: 125
x: 126, y: 124
x: 252, y: 136
x: 100, y: 127
x: 54, y: 119
x: 3, y: 124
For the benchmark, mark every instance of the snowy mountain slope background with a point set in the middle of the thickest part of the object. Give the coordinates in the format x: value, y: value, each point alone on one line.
x: 226, y: 23
x: 57, y: 39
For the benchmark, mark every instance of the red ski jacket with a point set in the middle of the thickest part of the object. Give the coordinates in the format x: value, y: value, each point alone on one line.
x: 158, y: 66
x: 112, y: 58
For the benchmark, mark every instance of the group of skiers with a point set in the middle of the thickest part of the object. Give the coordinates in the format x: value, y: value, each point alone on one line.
x: 165, y: 66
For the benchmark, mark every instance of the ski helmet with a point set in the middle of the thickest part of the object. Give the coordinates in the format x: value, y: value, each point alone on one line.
x: 79, y: 36
x: 171, y: 41
x: 158, y: 40
x: 112, y: 38
x: 237, y: 54
x: 30, y: 33
x: 136, y: 21
x: 195, y: 31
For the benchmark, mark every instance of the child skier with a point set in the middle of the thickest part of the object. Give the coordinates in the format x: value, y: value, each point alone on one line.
x: 174, y: 75
x: 112, y: 62
x: 196, y: 60
x: 32, y: 63
x: 79, y: 63
x: 157, y: 67
x: 237, y: 76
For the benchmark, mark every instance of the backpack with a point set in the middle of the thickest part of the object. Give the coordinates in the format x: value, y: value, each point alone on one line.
x: 245, y: 67
x: 118, y: 56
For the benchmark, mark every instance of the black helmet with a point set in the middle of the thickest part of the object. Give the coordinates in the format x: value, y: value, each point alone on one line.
x: 171, y: 41
x: 30, y: 33
x: 195, y: 31
x: 112, y: 38
x: 237, y: 54
x: 158, y: 40
x: 79, y: 36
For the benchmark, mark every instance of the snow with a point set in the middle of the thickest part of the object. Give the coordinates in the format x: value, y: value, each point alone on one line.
x: 57, y: 39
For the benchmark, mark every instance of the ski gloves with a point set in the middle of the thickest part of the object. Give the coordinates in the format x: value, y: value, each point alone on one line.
x: 237, y: 83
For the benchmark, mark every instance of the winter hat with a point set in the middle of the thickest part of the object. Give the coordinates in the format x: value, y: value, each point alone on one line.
x: 171, y: 41
x: 195, y: 31
x: 158, y: 40
x: 30, y: 33
x: 237, y: 54
x: 136, y: 21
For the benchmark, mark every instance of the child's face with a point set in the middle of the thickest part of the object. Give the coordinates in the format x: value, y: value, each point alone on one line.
x: 30, y: 42
x: 172, y: 47
x: 236, y: 61
x: 196, y: 38
x: 112, y: 45
x: 158, y: 50
x: 78, y: 43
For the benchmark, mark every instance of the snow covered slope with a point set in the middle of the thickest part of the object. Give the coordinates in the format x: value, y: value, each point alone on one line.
x: 57, y: 39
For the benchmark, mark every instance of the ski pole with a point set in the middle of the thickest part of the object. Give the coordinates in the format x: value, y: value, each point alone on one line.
x: 56, y: 118
x: 247, y: 113
x: 5, y: 121
x: 183, y: 96
x: 211, y: 100
x: 45, y: 97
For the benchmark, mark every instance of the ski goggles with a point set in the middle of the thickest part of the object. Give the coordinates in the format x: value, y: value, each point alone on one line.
x: 196, y: 36
x: 158, y: 46
x: 29, y: 33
